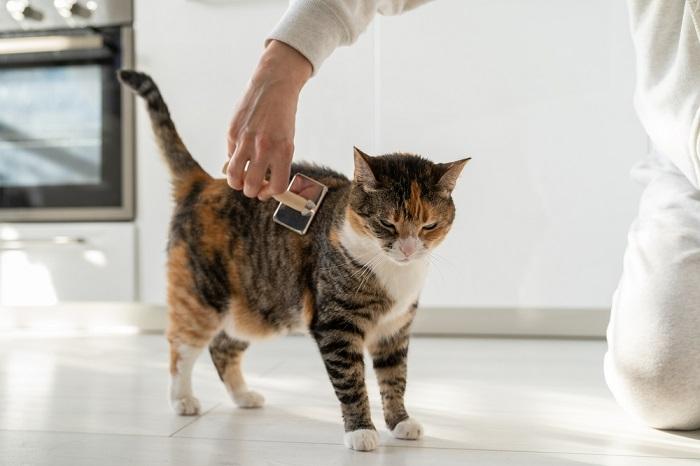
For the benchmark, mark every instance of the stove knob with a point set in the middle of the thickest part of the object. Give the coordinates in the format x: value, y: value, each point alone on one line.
x: 21, y: 10
x: 72, y: 8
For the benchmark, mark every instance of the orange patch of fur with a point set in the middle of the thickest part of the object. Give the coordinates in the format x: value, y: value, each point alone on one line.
x: 190, y: 322
x: 233, y: 377
x: 183, y: 184
x: 414, y: 204
x: 247, y: 322
x: 308, y: 308
x: 436, y: 236
x: 334, y: 237
x: 174, y: 358
x: 355, y: 221
x: 216, y: 234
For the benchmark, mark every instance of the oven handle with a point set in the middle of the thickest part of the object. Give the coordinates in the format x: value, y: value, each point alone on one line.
x: 50, y: 44
x: 14, y: 244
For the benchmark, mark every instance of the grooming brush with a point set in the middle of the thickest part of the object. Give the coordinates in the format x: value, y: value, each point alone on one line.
x: 299, y: 203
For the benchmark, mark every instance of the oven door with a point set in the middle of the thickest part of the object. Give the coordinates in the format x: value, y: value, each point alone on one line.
x: 66, y: 127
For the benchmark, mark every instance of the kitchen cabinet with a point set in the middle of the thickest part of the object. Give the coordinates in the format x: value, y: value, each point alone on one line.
x: 49, y: 263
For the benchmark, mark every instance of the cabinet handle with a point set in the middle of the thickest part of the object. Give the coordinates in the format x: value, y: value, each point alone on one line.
x: 39, y: 44
x: 34, y: 242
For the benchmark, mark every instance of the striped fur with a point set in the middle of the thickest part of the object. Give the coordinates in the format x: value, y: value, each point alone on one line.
x: 235, y: 276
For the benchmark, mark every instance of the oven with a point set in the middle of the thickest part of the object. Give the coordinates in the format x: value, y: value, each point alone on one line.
x: 66, y: 125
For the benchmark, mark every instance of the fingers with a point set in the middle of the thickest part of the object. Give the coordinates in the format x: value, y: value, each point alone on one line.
x: 261, y: 133
x: 230, y: 150
x: 230, y: 143
x: 279, y: 177
x: 254, y: 176
x: 260, y: 157
x: 235, y: 174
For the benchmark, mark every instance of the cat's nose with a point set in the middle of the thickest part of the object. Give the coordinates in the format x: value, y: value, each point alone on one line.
x: 408, y: 247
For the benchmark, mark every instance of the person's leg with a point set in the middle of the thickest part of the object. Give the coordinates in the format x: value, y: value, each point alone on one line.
x: 666, y: 37
x: 653, y: 361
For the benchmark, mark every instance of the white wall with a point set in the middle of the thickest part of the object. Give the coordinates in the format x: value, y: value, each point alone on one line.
x: 537, y: 92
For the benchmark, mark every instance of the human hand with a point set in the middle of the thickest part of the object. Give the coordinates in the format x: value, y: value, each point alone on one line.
x: 261, y: 133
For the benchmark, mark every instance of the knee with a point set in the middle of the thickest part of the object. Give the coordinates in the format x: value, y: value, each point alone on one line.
x: 660, y: 388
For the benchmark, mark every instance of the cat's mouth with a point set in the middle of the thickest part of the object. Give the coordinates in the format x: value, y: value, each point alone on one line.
x: 403, y: 260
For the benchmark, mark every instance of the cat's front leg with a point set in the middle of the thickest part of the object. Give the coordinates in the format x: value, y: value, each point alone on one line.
x: 341, y: 343
x: 389, y: 360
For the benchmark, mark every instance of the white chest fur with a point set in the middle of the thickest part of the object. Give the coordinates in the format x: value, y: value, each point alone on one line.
x: 402, y: 282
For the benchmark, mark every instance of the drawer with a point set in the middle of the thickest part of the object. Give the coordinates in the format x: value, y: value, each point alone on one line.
x: 43, y: 264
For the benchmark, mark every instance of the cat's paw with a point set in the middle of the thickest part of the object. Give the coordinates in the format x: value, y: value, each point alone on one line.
x: 408, y: 429
x: 186, y: 406
x: 362, y: 439
x: 248, y: 399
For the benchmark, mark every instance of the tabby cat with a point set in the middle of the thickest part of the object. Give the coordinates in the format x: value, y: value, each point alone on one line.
x: 352, y: 281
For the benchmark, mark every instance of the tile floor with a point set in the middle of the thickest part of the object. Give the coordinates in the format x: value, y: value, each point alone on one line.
x: 101, y: 401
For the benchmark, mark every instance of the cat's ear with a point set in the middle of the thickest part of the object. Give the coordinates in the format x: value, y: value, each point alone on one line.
x: 363, y: 171
x: 451, y: 173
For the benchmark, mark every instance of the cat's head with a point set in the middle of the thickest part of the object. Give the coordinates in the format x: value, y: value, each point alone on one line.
x: 402, y: 203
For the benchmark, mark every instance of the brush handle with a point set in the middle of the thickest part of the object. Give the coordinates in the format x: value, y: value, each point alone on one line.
x: 288, y: 198
x: 296, y: 202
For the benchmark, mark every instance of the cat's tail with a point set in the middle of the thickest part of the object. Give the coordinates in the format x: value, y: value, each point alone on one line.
x: 176, y: 155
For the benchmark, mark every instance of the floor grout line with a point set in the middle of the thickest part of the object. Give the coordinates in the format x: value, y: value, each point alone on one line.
x: 290, y: 442
x: 197, y: 418
x: 417, y: 447
x: 77, y: 432
x: 606, y: 447
x: 272, y: 369
x: 283, y: 442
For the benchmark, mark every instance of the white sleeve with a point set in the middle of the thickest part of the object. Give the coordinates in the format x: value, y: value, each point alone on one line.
x: 317, y: 27
x: 666, y: 36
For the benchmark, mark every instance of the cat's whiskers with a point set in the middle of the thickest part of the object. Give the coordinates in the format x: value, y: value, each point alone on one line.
x: 368, y: 269
x: 372, y: 268
x: 436, y: 265
x: 444, y: 259
x: 366, y: 264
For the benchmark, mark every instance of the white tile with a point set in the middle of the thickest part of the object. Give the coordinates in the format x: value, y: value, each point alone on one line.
x: 100, y: 385
x: 519, y: 395
x: 59, y: 449
x: 482, y: 401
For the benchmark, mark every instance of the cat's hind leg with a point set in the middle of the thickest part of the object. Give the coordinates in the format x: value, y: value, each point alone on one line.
x: 227, y: 353
x: 182, y: 359
x: 186, y: 344
x: 191, y: 326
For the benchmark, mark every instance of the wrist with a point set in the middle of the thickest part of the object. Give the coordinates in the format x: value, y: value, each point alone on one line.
x: 281, y: 62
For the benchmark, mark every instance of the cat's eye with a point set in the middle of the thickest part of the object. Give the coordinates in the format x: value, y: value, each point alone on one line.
x: 387, y: 224
x: 430, y: 226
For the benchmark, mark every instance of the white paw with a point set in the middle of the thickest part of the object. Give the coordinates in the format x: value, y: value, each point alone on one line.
x: 408, y: 429
x: 249, y: 399
x: 186, y: 406
x: 362, y: 439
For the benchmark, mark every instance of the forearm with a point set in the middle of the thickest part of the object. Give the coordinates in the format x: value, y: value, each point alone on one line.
x: 280, y: 62
x: 317, y: 27
x: 261, y: 133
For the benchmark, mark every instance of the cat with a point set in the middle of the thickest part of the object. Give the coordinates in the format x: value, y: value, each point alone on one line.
x: 352, y: 281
